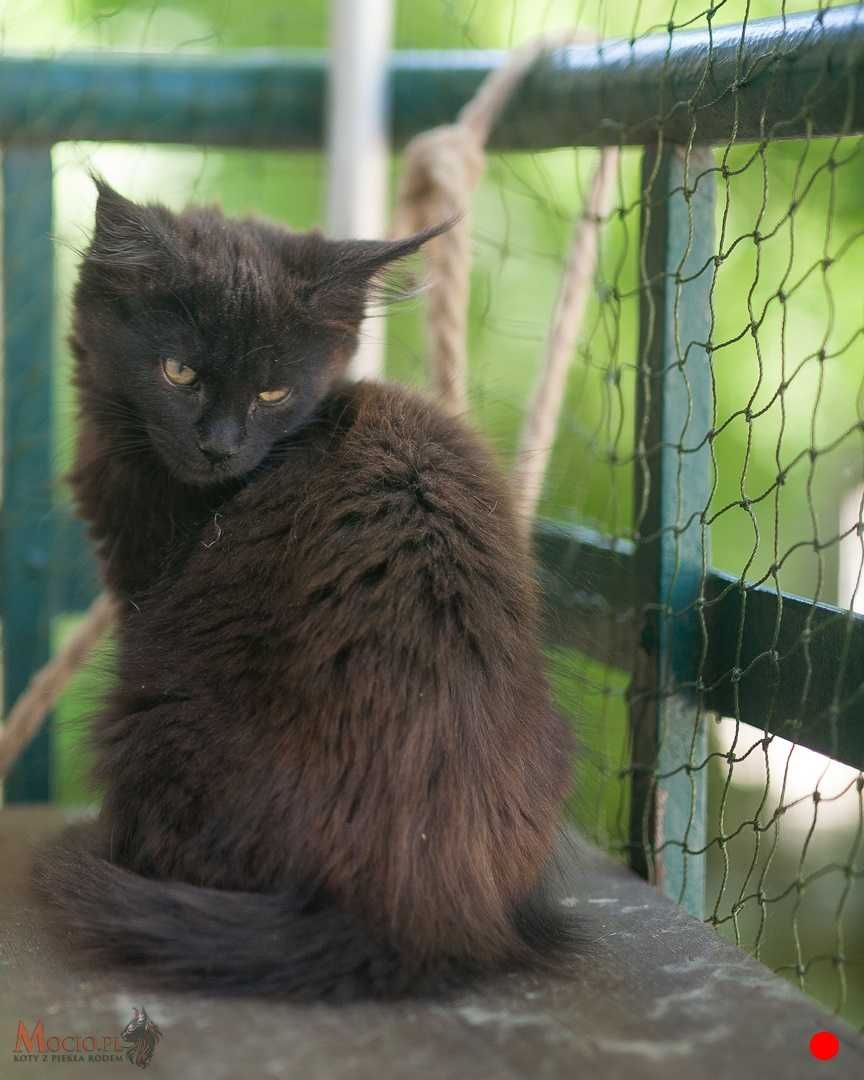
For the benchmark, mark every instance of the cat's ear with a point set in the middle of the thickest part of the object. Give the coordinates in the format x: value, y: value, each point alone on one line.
x: 363, y: 259
x: 356, y: 273
x: 132, y: 245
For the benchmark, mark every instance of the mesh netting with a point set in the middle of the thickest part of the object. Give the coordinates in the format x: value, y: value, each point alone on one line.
x: 704, y: 763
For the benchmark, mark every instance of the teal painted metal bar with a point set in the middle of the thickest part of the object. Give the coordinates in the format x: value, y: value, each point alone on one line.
x: 782, y: 638
x: 589, y: 582
x: 772, y: 78
x: 26, y: 527
x: 672, y: 490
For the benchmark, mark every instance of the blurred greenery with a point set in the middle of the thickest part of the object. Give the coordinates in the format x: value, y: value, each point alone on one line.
x: 782, y: 210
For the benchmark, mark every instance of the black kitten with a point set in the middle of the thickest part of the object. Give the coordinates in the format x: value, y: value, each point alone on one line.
x: 330, y: 766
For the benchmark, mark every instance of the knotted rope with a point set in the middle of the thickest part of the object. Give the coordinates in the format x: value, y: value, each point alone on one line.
x: 442, y: 169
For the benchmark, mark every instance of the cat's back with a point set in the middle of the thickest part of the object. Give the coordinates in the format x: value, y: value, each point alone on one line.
x: 393, y: 467
x: 380, y: 427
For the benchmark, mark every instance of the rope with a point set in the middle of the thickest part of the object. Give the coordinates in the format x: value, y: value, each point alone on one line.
x: 541, y: 421
x: 43, y: 690
x: 442, y: 169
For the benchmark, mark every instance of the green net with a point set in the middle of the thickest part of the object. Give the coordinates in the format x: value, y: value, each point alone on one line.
x: 707, y: 473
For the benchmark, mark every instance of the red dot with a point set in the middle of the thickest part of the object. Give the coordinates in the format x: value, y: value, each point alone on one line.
x: 824, y: 1045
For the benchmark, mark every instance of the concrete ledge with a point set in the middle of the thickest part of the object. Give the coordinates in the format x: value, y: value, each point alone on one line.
x: 660, y: 996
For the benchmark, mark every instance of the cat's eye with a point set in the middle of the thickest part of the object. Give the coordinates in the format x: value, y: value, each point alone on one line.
x: 274, y: 397
x: 179, y: 374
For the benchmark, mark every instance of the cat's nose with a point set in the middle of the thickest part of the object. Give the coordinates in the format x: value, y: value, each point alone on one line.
x: 219, y: 443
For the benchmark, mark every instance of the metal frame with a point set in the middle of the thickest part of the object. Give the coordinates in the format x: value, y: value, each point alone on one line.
x: 775, y: 78
x: 27, y: 554
x: 783, y: 77
x: 674, y: 412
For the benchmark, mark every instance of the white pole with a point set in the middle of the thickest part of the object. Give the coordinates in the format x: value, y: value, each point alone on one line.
x: 357, y: 140
x: 850, y: 576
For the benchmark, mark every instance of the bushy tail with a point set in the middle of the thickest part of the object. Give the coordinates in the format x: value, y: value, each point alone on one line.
x: 184, y: 936
x: 289, y: 944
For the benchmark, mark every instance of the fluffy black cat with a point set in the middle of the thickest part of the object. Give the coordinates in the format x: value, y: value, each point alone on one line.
x: 330, y: 766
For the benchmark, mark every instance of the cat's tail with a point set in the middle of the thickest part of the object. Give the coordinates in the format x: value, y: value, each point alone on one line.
x: 184, y: 936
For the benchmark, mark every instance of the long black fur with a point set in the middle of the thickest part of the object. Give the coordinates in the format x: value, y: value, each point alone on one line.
x: 330, y: 765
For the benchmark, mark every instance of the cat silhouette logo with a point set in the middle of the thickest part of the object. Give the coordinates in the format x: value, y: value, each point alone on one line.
x: 141, y: 1036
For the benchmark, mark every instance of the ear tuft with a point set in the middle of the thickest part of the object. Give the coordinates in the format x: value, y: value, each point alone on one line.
x: 131, y: 245
x: 351, y: 274
x: 364, y: 258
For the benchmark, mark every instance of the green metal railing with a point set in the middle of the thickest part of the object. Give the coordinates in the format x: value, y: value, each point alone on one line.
x: 657, y: 600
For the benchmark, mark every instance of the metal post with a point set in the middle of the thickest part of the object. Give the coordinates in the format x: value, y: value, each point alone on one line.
x: 357, y: 139
x: 674, y: 410
x: 26, y: 526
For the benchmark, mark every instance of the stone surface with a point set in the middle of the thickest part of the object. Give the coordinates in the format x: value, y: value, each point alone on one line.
x: 657, y: 995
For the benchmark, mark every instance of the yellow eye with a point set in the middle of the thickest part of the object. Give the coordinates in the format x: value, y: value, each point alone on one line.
x: 273, y: 397
x: 179, y: 374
